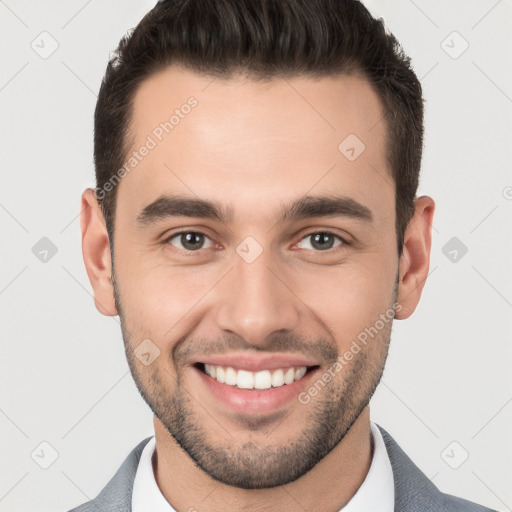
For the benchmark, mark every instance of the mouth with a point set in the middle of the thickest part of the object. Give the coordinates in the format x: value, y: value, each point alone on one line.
x: 264, y: 391
x: 255, y: 380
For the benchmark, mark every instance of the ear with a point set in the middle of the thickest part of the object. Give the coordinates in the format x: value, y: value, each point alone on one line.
x: 96, y: 253
x: 415, y: 258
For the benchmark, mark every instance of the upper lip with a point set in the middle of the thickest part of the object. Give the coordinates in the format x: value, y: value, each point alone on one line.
x: 256, y: 363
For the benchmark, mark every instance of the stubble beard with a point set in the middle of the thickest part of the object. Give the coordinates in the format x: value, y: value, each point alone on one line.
x: 252, y: 465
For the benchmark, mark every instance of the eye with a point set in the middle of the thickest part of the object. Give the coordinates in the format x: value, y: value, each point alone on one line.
x: 323, y: 241
x: 194, y: 241
x: 189, y: 240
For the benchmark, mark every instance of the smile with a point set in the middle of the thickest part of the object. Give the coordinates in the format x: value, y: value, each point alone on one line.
x: 264, y: 379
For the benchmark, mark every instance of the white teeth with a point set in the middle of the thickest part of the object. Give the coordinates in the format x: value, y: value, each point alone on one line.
x: 245, y: 380
x: 210, y: 370
x: 277, y: 378
x: 220, y: 374
x: 264, y: 379
x: 230, y: 376
x: 300, y: 372
x: 289, y: 376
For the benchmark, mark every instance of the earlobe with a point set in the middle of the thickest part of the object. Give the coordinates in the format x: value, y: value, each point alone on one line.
x: 96, y: 253
x: 415, y: 259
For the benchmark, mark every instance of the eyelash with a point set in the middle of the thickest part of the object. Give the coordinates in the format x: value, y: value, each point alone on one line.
x: 190, y: 252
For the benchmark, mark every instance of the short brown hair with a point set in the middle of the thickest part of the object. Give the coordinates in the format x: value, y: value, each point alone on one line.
x: 264, y: 39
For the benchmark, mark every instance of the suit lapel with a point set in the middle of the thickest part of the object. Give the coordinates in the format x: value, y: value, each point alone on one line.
x: 116, y: 496
x: 414, y: 492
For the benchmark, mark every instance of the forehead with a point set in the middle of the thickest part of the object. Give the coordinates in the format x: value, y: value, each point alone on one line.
x: 242, y: 142
x: 247, y: 110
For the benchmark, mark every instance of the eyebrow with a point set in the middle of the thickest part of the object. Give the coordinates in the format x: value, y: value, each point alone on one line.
x: 167, y: 206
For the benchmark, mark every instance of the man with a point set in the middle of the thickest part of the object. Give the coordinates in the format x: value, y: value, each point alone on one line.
x: 256, y: 228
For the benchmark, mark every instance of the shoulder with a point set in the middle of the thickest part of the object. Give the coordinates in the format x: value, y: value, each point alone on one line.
x: 116, y: 495
x: 414, y: 491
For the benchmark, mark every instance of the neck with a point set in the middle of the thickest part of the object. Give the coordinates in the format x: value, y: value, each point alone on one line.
x: 326, y: 488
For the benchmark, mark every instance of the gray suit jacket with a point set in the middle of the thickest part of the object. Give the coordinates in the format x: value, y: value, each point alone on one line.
x: 414, y: 492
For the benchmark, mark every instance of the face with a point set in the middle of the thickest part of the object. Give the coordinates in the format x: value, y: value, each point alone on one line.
x: 250, y: 247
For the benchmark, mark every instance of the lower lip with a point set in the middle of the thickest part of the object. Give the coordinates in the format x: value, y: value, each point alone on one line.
x: 256, y: 401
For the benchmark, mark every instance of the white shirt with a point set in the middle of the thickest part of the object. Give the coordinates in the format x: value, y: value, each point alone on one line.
x: 377, y: 492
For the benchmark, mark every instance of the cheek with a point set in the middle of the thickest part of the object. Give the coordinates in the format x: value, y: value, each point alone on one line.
x: 349, y: 299
x: 156, y: 298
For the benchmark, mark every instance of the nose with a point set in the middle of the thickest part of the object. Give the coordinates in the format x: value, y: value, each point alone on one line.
x: 257, y: 301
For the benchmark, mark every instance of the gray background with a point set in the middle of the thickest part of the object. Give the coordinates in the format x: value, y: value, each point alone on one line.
x: 64, y: 378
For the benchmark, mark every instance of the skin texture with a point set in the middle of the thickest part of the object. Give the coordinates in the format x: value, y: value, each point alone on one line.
x: 255, y: 147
